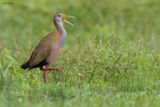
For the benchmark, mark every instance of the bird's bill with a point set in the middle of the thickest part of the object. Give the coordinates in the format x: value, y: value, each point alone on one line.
x: 65, y: 17
x: 68, y: 22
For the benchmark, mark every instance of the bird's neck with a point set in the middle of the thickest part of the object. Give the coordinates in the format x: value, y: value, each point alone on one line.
x: 63, y: 33
x: 60, y: 27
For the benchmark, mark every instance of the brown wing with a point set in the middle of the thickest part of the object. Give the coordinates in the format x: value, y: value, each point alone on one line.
x: 42, y: 51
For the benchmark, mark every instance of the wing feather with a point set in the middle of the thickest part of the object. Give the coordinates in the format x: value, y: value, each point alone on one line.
x: 42, y: 51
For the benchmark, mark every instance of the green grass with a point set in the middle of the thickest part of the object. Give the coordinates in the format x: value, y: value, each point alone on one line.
x: 111, y: 58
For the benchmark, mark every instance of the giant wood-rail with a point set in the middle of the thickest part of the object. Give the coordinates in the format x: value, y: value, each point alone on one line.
x: 49, y: 48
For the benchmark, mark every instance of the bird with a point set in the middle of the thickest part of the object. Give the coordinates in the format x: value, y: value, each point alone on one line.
x: 49, y: 48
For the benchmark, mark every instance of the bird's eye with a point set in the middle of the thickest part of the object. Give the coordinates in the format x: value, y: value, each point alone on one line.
x: 59, y: 15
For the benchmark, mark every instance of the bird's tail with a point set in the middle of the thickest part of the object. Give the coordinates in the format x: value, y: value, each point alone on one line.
x: 24, y: 66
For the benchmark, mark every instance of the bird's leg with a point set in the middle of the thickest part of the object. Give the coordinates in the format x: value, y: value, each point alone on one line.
x: 53, y: 69
x: 44, y: 76
x: 46, y: 70
x: 50, y: 69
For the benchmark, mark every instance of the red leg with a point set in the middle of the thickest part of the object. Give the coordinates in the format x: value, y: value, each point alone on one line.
x: 44, y: 76
x: 46, y: 70
x: 52, y: 69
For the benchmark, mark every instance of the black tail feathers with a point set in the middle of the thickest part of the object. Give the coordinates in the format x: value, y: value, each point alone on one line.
x: 24, y: 66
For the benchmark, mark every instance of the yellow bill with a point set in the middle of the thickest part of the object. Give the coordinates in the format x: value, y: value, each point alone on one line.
x: 65, y: 17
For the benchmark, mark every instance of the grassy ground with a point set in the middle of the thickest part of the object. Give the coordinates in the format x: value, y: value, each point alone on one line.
x: 111, y: 58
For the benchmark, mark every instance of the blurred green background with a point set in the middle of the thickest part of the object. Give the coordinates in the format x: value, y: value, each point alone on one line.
x: 111, y: 57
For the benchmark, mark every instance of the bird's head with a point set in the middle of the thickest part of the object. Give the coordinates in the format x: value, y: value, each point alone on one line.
x: 60, y: 18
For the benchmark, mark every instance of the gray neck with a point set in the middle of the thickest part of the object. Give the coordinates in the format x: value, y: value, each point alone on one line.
x: 63, y: 32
